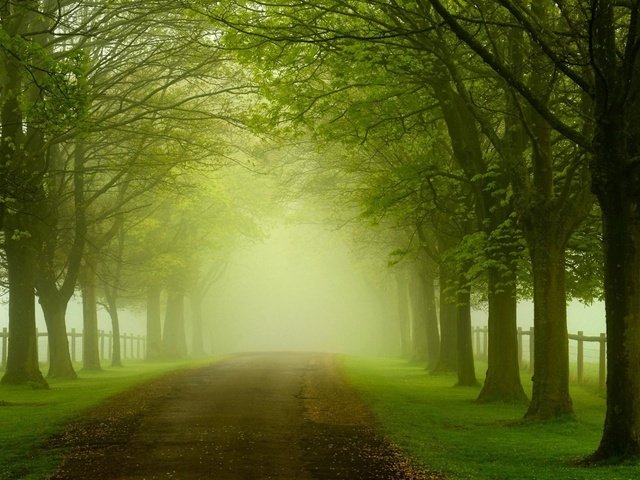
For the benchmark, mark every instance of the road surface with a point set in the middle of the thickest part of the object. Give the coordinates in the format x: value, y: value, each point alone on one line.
x: 285, y: 416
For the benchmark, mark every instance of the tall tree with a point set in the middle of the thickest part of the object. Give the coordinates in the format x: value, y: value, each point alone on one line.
x: 601, y: 40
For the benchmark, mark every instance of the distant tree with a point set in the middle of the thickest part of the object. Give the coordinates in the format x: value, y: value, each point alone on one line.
x: 404, y: 313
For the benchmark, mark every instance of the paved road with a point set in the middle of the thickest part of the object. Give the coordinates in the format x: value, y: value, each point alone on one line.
x: 287, y: 416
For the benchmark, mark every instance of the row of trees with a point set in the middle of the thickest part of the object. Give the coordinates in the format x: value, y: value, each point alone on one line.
x: 472, y: 135
x: 114, y: 120
x: 477, y: 131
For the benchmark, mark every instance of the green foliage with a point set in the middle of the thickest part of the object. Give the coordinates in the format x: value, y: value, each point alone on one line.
x: 62, y: 98
x: 585, y: 261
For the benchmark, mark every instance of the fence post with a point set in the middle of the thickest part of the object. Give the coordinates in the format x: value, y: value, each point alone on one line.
x: 124, y: 347
x: 485, y: 342
x: 602, y: 367
x: 101, y: 334
x: 580, y: 359
x: 73, y: 344
x: 476, y: 336
x: 138, y: 338
x: 580, y: 356
x: 531, y: 348
x: 5, y: 337
x: 520, y: 346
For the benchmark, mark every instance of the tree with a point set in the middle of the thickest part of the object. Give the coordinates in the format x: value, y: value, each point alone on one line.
x: 602, y: 40
x: 74, y: 71
x: 351, y: 101
x: 26, y: 61
x: 404, y: 314
x: 58, y: 265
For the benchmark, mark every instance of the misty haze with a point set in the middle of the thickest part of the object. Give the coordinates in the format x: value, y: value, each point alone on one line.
x: 302, y: 289
x: 338, y: 239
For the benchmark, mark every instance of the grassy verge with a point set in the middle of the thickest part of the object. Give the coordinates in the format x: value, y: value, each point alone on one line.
x: 29, y: 416
x: 442, y: 428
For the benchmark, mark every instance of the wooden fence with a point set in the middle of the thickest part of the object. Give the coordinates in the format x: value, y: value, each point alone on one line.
x: 131, y: 346
x: 481, y: 342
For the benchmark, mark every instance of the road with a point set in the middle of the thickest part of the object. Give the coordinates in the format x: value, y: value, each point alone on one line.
x: 285, y: 416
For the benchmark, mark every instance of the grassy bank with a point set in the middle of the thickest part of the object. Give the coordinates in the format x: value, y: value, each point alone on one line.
x: 29, y: 416
x: 442, y: 428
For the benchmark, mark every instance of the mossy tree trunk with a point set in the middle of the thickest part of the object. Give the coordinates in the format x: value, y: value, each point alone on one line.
x: 22, y: 356
x: 21, y: 164
x: 502, y: 381
x: 615, y: 171
x: 550, y: 393
x: 54, y: 310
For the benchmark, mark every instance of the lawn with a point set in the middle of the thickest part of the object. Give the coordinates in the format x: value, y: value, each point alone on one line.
x: 442, y: 428
x: 29, y: 416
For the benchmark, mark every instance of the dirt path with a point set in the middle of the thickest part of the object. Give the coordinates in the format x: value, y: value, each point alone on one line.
x: 286, y: 416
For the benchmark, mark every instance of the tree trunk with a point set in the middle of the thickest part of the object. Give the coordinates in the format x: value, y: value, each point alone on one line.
x: 550, y: 396
x: 174, y: 345
x: 616, y: 182
x: 90, y: 341
x: 54, y: 297
x: 403, y: 315
x: 19, y: 181
x: 502, y: 382
x: 22, y: 356
x: 54, y: 309
x: 431, y: 315
x: 466, y: 367
x: 197, y: 344
x: 448, y: 359
x: 116, y: 352
x: 621, y: 435
x: 418, y: 318
x: 154, y: 324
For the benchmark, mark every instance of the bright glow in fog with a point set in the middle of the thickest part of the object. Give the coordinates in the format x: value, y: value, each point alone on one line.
x: 301, y: 290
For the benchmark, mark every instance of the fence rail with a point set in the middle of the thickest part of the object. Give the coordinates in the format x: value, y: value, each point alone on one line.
x: 481, y: 344
x: 131, y: 346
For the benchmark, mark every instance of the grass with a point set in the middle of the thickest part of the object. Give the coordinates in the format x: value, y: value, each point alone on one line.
x: 29, y: 416
x: 443, y: 429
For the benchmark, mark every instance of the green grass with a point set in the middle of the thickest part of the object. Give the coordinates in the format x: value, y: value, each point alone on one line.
x: 29, y: 416
x: 442, y: 428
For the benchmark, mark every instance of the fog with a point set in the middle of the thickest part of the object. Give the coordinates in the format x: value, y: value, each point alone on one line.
x: 304, y: 288
x: 301, y: 289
